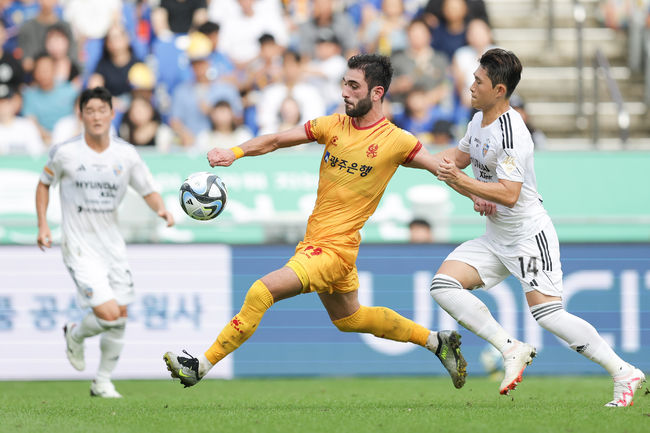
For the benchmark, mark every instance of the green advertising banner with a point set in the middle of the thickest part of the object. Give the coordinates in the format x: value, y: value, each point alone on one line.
x: 591, y: 196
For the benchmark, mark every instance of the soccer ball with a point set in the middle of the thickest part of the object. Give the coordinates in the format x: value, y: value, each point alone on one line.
x: 203, y: 195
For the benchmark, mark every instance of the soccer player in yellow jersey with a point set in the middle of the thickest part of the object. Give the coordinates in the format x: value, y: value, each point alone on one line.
x: 362, y: 152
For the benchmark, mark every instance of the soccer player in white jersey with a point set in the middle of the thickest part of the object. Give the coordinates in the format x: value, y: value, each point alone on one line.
x: 520, y: 239
x: 94, y: 171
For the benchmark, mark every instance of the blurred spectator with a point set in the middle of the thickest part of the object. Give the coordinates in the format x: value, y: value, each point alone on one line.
x: 267, y: 67
x: 178, y: 16
x: 116, y: 61
x: 18, y: 136
x: 91, y: 21
x: 465, y: 60
x: 242, y: 29
x: 46, y: 101
x: 11, y: 73
x: 433, y: 15
x: 539, y: 138
x: 387, y: 33
x: 419, y: 116
x: 219, y: 60
x: 289, y: 114
x: 136, y: 16
x: 615, y: 14
x: 142, y: 126
x: 442, y: 135
x: 31, y: 36
x: 224, y: 132
x: 449, y: 35
x: 14, y: 14
x: 420, y: 65
x: 194, y: 98
x: 326, y: 70
x: 306, y: 95
x: 324, y: 16
x: 57, y: 46
x: 420, y: 232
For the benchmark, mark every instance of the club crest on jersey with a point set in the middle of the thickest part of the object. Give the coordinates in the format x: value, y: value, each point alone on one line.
x: 117, y: 169
x: 333, y: 140
x: 486, y: 147
x: 310, y: 251
x: 372, y: 151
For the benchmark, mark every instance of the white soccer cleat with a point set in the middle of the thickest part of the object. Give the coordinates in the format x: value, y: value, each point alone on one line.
x: 515, y: 361
x: 74, y: 350
x: 625, y: 387
x: 104, y: 390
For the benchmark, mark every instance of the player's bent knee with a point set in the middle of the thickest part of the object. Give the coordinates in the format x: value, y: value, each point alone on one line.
x: 351, y: 323
x: 113, y: 324
x: 444, y: 282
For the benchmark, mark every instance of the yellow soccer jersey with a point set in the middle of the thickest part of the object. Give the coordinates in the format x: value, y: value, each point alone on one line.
x: 356, y: 167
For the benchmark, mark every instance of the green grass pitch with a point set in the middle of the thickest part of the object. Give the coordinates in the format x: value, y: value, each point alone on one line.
x: 332, y: 405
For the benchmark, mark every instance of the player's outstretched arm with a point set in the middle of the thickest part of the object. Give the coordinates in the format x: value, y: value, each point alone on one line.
x: 44, y: 238
x: 431, y: 162
x: 504, y: 192
x: 258, y: 146
x: 156, y: 203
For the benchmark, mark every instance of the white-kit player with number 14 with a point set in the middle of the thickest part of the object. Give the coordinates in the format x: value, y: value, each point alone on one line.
x: 520, y: 239
x: 93, y: 171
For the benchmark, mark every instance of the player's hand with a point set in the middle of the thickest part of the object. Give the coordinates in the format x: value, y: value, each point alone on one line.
x: 221, y: 157
x: 448, y: 171
x: 44, y: 239
x: 167, y: 216
x: 484, y: 207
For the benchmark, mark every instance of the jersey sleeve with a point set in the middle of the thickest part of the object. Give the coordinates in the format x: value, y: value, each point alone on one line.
x: 412, y: 146
x: 463, y: 144
x: 318, y: 128
x: 141, y: 179
x: 511, y: 160
x: 51, y: 173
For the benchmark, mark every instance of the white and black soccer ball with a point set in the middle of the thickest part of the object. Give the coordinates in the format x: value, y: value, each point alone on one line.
x: 203, y: 195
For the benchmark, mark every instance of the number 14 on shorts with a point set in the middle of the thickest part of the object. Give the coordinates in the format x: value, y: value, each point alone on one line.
x: 530, y: 267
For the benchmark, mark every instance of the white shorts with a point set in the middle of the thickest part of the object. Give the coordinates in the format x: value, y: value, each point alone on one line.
x: 534, y: 261
x: 99, y: 281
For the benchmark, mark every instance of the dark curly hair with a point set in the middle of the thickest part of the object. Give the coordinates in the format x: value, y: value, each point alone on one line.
x: 376, y: 68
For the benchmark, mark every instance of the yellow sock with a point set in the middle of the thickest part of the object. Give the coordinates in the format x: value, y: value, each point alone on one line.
x: 243, y: 325
x: 384, y: 323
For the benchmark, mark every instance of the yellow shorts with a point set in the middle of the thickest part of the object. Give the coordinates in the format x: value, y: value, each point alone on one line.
x: 325, y: 269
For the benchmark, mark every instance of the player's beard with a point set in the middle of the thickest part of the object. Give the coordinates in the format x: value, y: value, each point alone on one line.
x: 362, y: 107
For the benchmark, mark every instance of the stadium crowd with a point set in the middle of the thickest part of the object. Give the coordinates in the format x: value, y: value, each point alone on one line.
x: 189, y: 75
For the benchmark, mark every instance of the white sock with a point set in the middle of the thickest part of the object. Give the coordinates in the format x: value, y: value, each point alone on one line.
x: 204, y: 365
x: 469, y: 311
x: 88, y: 327
x: 432, y: 342
x: 580, y: 334
x: 111, y: 344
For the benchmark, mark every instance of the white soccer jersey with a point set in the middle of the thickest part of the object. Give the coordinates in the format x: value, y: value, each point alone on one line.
x: 92, y: 185
x: 504, y: 150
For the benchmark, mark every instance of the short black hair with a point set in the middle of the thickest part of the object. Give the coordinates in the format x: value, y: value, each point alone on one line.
x: 376, y: 68
x: 266, y: 37
x: 502, y: 67
x: 100, y: 93
x: 419, y: 222
x: 209, y: 27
